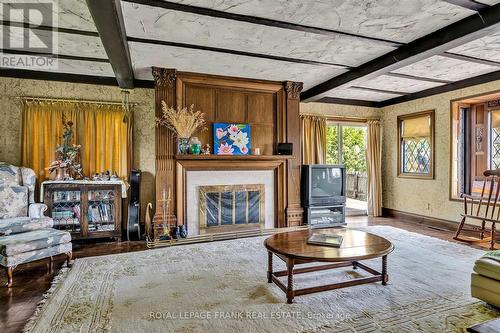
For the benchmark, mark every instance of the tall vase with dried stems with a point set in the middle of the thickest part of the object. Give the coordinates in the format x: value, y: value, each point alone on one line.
x: 182, y: 122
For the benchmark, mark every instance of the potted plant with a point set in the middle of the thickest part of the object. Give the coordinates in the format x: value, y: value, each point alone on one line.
x: 66, y: 164
x: 182, y: 122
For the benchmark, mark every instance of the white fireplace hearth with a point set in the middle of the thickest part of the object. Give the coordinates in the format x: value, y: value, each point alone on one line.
x: 200, y: 179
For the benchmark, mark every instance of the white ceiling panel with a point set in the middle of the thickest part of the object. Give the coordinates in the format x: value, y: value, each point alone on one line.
x: 144, y: 56
x: 397, y: 20
x: 160, y: 24
x: 438, y: 67
x: 484, y: 48
x: 72, y: 14
x: 364, y: 95
x: 66, y: 44
x: 392, y: 83
x: 57, y: 65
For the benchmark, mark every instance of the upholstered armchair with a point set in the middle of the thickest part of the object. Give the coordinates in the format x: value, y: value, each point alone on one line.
x: 26, y: 234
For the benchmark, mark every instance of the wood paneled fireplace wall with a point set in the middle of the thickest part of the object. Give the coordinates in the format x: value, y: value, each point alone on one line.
x: 272, y: 110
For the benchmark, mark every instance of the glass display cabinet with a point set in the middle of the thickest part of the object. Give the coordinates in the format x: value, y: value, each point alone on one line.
x: 86, y: 210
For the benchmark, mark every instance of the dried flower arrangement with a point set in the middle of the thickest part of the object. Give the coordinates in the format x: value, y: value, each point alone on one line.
x: 67, y: 154
x: 182, y: 122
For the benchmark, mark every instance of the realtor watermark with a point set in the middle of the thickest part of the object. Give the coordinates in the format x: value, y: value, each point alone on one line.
x: 248, y: 315
x: 29, y: 38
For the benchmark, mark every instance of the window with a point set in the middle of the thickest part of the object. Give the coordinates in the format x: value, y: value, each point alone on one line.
x: 494, y: 129
x: 416, y: 145
x: 475, y: 142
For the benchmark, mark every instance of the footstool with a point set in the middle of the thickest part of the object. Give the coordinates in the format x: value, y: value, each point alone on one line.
x: 16, y: 249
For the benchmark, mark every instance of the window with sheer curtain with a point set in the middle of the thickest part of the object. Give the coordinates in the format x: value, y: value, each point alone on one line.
x: 104, y: 132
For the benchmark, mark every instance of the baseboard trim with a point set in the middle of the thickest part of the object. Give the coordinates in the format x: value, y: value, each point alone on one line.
x: 429, y: 221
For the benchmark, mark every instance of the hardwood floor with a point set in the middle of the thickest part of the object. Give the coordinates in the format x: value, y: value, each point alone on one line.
x: 31, y: 281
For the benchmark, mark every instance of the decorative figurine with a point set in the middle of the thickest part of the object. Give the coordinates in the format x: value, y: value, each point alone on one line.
x: 206, y: 150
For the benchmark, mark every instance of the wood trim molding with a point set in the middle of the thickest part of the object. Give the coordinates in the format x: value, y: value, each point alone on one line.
x: 420, y: 219
x: 293, y: 133
x: 293, y: 89
x: 165, y: 143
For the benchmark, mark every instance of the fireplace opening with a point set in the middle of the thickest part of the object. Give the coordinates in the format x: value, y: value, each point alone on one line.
x: 231, y: 207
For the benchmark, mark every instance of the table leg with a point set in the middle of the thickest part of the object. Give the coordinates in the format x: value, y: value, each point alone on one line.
x: 289, y: 289
x: 9, y: 271
x: 269, y: 266
x: 385, y: 276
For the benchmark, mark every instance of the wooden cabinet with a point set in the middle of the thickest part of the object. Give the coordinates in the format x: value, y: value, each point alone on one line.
x: 86, y: 210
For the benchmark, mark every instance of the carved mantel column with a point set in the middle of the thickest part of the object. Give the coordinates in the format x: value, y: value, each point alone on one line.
x: 294, y: 209
x: 165, y: 146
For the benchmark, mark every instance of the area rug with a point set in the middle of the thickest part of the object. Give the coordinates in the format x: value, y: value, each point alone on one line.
x: 222, y: 287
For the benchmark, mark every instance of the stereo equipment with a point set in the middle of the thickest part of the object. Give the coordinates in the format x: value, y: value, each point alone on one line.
x: 134, y: 206
x: 285, y: 148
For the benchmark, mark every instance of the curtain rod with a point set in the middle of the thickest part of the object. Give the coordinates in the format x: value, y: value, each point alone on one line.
x: 345, y: 118
x: 32, y: 98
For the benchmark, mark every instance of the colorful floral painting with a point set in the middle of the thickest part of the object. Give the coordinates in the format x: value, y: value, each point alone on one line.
x: 231, y: 139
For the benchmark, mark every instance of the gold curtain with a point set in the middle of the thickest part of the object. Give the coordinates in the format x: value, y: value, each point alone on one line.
x: 374, y: 168
x: 100, y: 129
x: 313, y: 140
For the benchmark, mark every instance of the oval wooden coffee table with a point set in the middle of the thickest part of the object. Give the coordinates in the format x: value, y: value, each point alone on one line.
x: 292, y: 248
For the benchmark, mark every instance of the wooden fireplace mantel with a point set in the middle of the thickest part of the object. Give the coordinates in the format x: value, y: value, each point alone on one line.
x: 234, y: 157
x: 271, y: 108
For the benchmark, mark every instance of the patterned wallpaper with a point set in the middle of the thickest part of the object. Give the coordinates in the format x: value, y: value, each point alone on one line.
x: 424, y: 197
x: 144, y: 120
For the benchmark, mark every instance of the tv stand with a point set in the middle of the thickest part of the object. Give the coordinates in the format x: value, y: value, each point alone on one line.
x: 325, y: 216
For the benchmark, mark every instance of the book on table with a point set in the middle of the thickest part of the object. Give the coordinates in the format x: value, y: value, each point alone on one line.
x: 325, y: 240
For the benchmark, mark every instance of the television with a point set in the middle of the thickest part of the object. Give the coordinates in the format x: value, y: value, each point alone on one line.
x: 323, y: 185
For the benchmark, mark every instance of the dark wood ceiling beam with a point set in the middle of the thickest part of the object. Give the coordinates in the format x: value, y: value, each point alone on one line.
x: 108, y: 18
x: 470, y: 59
x: 48, y: 28
x: 53, y: 55
x: 493, y: 76
x: 469, y: 4
x: 418, y: 78
x: 234, y: 52
x: 346, y: 101
x: 254, y: 20
x: 66, y: 77
x: 382, y: 91
x: 456, y: 34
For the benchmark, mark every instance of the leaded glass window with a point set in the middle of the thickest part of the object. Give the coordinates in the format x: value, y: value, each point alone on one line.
x: 415, y: 151
x: 417, y: 155
x: 495, y: 140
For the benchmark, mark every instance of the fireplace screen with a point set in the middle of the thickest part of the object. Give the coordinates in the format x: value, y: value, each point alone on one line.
x: 226, y: 207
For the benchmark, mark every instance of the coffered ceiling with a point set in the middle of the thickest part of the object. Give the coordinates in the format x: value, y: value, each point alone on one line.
x: 366, y: 52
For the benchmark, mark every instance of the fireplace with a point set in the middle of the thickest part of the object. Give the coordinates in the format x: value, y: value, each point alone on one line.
x: 231, y: 207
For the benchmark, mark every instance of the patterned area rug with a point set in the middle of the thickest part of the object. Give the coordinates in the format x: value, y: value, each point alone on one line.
x: 222, y: 287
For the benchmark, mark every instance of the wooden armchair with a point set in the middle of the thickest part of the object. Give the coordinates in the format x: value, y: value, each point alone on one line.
x: 484, y: 208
